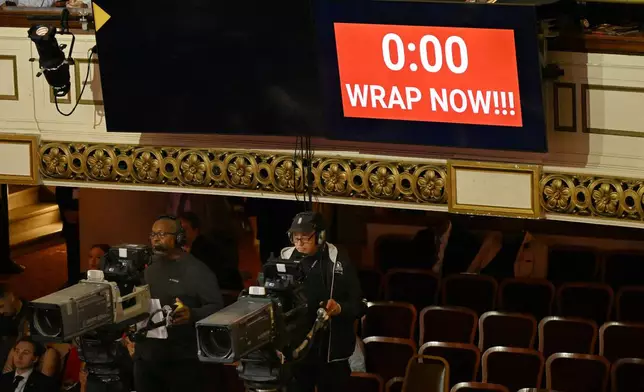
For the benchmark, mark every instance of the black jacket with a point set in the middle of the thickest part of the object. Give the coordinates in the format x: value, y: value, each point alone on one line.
x: 333, y: 276
x: 196, y: 286
x: 37, y: 382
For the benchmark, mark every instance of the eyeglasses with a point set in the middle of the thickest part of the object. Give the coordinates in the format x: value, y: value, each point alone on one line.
x: 302, y: 240
x: 160, y: 234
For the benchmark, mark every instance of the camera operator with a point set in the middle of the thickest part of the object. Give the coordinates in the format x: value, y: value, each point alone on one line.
x: 332, y: 282
x: 168, y: 361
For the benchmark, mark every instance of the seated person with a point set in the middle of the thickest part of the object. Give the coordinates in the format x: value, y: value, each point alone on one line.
x: 96, y: 252
x: 209, y: 253
x: 25, y: 377
x: 14, y: 320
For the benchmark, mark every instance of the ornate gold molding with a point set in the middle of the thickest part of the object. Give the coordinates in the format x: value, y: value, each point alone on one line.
x: 244, y: 171
x: 335, y: 177
x: 592, y: 196
x: 14, y: 63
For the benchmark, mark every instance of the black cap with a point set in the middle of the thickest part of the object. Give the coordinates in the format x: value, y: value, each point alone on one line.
x: 307, y: 222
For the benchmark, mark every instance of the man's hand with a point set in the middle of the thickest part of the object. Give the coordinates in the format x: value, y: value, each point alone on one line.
x: 181, y: 314
x: 333, y: 308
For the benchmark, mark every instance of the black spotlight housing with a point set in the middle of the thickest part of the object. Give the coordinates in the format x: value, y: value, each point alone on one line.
x: 52, y: 61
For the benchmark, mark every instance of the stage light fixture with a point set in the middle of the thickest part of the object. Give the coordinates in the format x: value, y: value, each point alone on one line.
x: 52, y: 61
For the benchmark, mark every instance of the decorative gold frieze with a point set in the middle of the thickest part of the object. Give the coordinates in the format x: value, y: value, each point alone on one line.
x: 336, y: 177
x: 592, y: 196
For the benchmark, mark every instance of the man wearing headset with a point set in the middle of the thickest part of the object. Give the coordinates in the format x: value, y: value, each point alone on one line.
x: 331, y: 282
x: 166, y: 359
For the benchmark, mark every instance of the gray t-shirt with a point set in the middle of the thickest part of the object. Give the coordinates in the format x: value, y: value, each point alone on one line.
x: 190, y: 280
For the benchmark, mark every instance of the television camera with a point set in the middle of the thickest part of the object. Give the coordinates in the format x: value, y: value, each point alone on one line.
x: 96, y: 312
x: 265, y: 331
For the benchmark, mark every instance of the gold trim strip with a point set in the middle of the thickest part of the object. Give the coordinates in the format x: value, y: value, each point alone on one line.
x: 556, y: 87
x: 585, y: 88
x: 77, y: 77
x: 532, y: 170
x: 592, y: 196
x: 33, y: 178
x: 244, y: 171
x: 16, y: 95
x: 398, y: 183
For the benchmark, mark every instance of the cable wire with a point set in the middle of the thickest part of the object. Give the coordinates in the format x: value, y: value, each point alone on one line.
x: 89, y: 64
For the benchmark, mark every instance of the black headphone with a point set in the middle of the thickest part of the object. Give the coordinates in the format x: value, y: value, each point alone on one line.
x: 180, y: 234
x: 318, y: 226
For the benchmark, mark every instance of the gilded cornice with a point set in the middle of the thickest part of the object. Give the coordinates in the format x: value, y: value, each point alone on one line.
x: 335, y: 177
x: 592, y: 196
x: 243, y: 171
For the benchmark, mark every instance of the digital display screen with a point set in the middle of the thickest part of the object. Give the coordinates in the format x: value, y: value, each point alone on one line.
x: 444, y: 73
x: 433, y: 74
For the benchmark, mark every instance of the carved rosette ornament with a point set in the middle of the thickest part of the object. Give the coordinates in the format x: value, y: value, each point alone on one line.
x: 244, y: 171
x: 592, y: 196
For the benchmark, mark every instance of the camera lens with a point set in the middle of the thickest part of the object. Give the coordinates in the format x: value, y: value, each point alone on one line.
x: 48, y: 322
x: 216, y: 342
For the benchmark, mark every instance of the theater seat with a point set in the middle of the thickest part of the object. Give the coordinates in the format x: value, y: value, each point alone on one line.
x: 426, y: 373
x: 389, y: 319
x: 621, y: 340
x: 388, y: 357
x: 447, y: 324
x: 515, y: 368
x: 630, y: 304
x: 536, y: 390
x: 395, y: 384
x: 567, y: 335
x: 507, y: 329
x: 463, y: 359
x: 577, y: 372
x: 478, y: 386
x: 627, y: 375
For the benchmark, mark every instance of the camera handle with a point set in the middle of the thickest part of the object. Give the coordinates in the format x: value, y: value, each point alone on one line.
x: 139, y: 333
x: 320, y: 322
